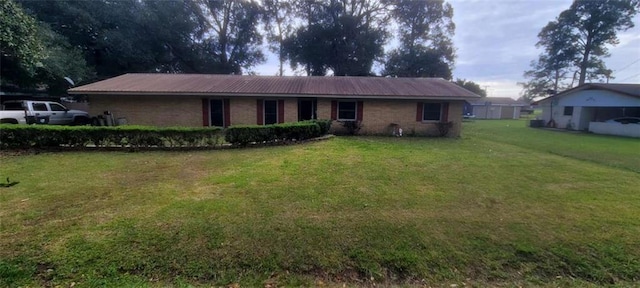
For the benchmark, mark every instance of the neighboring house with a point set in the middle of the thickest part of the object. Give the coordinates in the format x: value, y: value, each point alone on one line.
x: 588, y: 107
x: 381, y: 104
x: 494, y: 108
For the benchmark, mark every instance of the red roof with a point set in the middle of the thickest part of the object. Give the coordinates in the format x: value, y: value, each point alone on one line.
x: 235, y: 85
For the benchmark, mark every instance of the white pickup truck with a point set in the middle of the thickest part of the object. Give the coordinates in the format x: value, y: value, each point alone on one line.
x: 30, y: 112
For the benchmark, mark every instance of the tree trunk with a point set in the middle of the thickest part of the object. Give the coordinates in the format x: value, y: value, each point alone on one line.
x: 555, y: 83
x: 585, y: 60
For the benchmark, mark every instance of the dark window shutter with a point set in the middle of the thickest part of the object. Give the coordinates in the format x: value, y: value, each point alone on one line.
x: 205, y: 112
x: 227, y: 113
x: 334, y: 110
x: 280, y: 111
x: 419, y: 111
x: 445, y: 112
x: 260, y: 112
x: 359, y: 111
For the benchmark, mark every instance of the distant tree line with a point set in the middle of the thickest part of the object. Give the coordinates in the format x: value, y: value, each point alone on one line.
x: 52, y: 42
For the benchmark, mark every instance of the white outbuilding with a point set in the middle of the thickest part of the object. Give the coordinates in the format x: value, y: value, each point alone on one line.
x: 595, y: 107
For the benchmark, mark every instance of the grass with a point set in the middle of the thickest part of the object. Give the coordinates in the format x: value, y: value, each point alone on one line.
x: 504, y: 205
x: 618, y: 152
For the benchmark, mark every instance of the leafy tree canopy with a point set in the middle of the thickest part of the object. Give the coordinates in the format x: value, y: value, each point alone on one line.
x: 45, y: 42
x: 574, y: 44
x: 345, y: 36
x: 235, y: 40
x: 471, y: 86
x: 426, y: 49
x: 21, y: 50
x: 33, y: 54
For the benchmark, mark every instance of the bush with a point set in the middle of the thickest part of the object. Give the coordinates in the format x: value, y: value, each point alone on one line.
x: 45, y: 136
x: 246, y: 134
x: 444, y: 127
x: 353, y: 127
x: 325, y: 126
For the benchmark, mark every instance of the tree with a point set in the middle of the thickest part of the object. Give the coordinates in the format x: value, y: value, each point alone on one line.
x: 33, y: 54
x: 174, y: 32
x: 117, y: 37
x: 575, y: 43
x: 421, y: 62
x: 345, y: 36
x: 555, y: 63
x: 61, y: 62
x: 21, y: 50
x: 471, y: 86
x: 235, y: 40
x: 595, y: 24
x: 278, y: 19
x: 426, y: 48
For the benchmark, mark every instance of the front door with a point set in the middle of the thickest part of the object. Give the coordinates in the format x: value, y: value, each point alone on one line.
x: 307, y: 109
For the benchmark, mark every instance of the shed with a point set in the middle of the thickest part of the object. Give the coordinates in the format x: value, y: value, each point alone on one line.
x: 495, y: 108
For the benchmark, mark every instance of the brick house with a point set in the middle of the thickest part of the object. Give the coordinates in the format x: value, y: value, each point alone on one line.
x: 414, y: 104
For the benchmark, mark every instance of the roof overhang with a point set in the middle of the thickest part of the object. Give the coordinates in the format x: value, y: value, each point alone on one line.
x: 588, y: 86
x: 209, y: 94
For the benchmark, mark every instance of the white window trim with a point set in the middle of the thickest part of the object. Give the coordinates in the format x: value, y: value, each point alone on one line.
x: 355, y: 116
x: 264, y: 113
x: 432, y: 121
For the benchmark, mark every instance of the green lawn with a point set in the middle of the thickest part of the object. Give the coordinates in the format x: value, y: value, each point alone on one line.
x: 504, y: 205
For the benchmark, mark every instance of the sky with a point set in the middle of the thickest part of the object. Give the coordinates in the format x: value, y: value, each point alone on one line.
x: 495, y: 42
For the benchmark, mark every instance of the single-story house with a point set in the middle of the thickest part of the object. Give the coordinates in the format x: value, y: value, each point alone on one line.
x: 594, y: 107
x: 379, y: 103
x: 495, y: 108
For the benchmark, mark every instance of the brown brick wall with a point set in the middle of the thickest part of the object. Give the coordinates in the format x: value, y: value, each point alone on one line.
x: 243, y: 111
x: 187, y: 111
x: 290, y: 110
x: 378, y: 115
x: 150, y: 110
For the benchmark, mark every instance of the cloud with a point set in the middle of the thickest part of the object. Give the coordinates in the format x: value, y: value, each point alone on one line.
x: 496, y: 42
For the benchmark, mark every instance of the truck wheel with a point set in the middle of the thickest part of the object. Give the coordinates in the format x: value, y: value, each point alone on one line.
x: 80, y: 121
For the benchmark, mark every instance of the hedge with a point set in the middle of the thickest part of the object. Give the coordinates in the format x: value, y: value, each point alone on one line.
x: 246, y: 134
x: 47, y: 136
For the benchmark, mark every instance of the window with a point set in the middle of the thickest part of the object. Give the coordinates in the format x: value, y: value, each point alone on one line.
x: 217, y: 113
x: 568, y: 110
x: 57, y: 107
x: 431, y: 111
x: 347, y: 110
x: 15, y: 106
x: 39, y: 107
x: 270, y: 112
x: 306, y: 110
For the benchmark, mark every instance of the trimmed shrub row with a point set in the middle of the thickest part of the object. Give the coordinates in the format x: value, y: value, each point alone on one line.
x: 49, y: 136
x: 244, y: 135
x: 44, y: 136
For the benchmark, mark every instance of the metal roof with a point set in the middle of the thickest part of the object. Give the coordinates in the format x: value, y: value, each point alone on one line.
x: 632, y: 90
x: 287, y: 86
